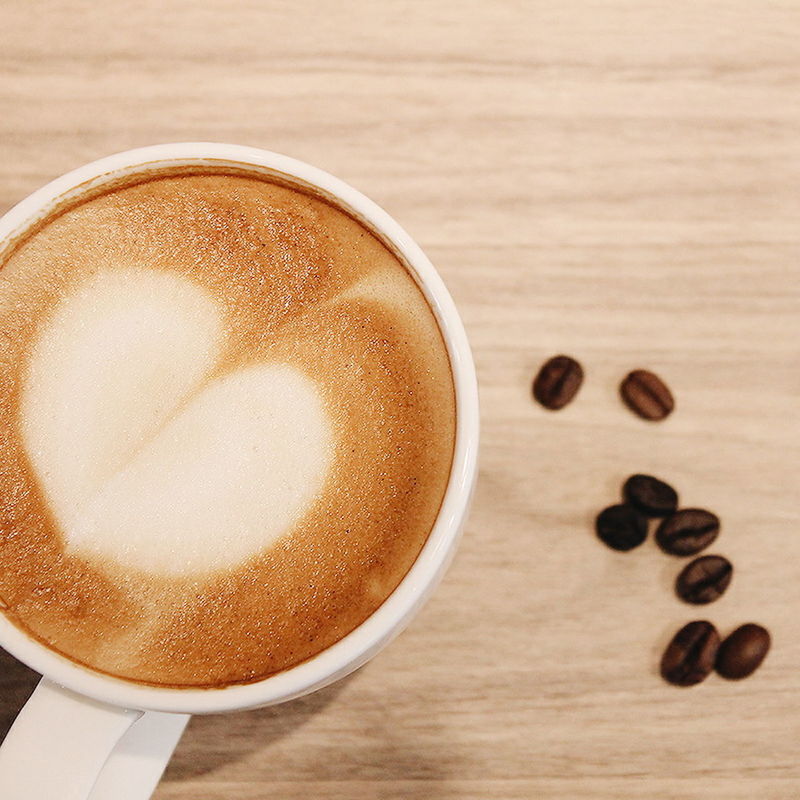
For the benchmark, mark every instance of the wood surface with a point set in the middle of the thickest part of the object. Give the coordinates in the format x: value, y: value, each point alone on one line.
x: 615, y: 180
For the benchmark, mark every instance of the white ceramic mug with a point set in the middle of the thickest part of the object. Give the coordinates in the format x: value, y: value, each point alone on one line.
x: 87, y: 735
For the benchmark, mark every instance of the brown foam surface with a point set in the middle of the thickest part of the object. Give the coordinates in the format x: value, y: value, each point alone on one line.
x: 302, y: 284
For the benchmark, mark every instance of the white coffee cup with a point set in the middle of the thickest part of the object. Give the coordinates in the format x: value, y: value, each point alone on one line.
x: 87, y: 735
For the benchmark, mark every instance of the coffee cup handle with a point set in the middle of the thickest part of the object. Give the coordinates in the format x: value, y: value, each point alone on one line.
x: 63, y: 745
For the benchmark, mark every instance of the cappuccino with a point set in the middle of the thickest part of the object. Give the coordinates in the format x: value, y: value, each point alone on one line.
x: 227, y: 420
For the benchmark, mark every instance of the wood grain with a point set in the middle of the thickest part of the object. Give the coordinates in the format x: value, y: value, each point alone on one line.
x: 614, y: 180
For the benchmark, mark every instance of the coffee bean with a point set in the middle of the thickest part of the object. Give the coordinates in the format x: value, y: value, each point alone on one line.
x: 743, y: 651
x: 687, y: 532
x: 704, y: 579
x: 650, y: 496
x: 647, y: 395
x: 558, y: 382
x: 621, y: 527
x: 690, y: 656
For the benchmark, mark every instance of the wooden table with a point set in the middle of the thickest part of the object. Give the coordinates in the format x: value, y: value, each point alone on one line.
x: 615, y: 180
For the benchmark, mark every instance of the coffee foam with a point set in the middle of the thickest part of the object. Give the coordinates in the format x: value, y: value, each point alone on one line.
x: 227, y: 426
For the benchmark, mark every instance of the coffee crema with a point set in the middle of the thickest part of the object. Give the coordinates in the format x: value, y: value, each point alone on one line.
x: 228, y: 421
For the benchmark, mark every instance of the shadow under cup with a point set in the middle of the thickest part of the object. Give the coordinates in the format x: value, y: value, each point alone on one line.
x: 369, y: 637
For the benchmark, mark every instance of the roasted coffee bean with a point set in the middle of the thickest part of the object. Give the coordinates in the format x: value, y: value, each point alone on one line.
x: 558, y: 382
x: 743, y: 651
x: 650, y: 496
x: 621, y: 527
x: 647, y: 395
x: 687, y: 532
x: 690, y: 656
x: 704, y: 579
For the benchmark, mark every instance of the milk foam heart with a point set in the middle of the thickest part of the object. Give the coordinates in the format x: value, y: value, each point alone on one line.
x: 143, y: 457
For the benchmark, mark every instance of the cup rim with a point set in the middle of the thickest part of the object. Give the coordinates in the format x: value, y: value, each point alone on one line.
x: 364, y: 641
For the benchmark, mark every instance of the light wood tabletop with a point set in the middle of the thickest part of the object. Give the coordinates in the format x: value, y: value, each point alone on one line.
x: 619, y: 181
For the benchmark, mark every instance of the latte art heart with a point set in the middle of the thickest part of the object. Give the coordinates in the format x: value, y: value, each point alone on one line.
x: 149, y: 458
